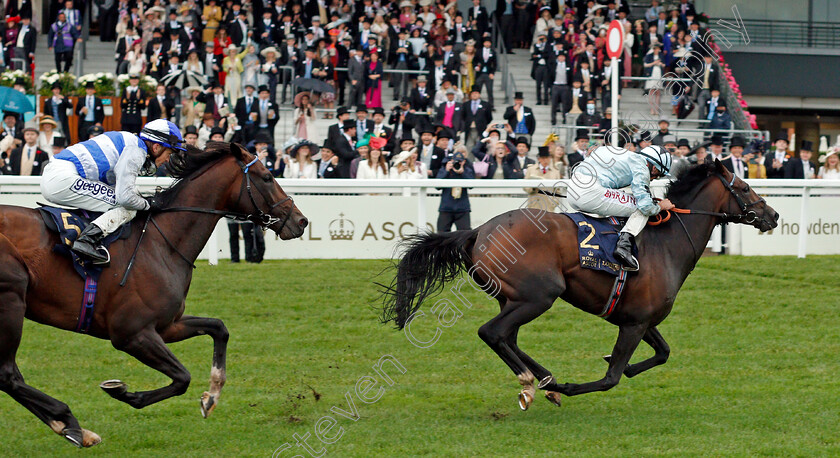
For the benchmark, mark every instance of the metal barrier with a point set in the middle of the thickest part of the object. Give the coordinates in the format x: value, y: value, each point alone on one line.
x: 787, y: 34
x: 566, y: 132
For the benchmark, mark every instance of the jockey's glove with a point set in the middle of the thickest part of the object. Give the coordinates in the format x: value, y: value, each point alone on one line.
x: 154, y: 204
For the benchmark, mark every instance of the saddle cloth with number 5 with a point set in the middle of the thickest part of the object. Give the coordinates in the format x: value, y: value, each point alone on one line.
x: 597, y: 238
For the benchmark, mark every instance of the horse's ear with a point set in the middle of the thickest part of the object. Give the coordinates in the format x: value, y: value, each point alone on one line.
x: 236, y: 151
x: 719, y: 168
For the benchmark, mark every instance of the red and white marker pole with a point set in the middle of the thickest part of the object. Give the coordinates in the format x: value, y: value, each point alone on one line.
x: 615, y: 47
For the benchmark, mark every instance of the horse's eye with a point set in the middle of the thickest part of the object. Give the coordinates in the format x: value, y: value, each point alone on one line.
x: 746, y: 189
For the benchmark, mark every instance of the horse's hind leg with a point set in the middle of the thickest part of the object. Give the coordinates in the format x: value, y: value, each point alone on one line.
x: 148, y: 347
x: 497, y: 334
x: 628, y: 339
x: 51, y: 411
x: 660, y: 347
x: 191, y: 326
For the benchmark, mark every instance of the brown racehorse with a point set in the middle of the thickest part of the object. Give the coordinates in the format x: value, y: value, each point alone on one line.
x: 526, y: 263
x: 141, y: 317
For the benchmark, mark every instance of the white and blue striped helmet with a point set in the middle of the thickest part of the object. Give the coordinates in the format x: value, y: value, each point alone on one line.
x: 163, y: 132
x: 657, y: 156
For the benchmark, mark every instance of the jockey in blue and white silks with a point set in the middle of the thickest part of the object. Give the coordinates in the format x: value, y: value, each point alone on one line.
x: 595, y: 187
x: 100, y: 175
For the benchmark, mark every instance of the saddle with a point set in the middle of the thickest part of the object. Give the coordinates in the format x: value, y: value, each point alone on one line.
x: 68, y: 224
x: 597, y: 238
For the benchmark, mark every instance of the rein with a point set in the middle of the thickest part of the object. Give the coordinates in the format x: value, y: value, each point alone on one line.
x: 746, y: 216
x: 258, y: 217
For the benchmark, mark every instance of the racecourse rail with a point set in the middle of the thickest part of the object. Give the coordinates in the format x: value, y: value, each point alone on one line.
x: 810, y: 221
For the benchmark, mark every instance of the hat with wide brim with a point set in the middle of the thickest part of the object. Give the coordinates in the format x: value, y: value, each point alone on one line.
x: 48, y: 120
x: 155, y: 9
x: 300, y: 96
x: 403, y: 156
x: 831, y: 152
x: 232, y: 47
x: 189, y: 90
x: 313, y: 148
x: 269, y: 49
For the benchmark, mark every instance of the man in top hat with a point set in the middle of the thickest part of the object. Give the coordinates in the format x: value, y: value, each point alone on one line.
x: 94, y: 131
x: 520, y: 118
x: 247, y: 112
x: 239, y: 29
x: 775, y: 162
x: 133, y: 100
x: 576, y: 99
x: 308, y: 67
x: 581, y: 145
x: 344, y: 149
x: 328, y: 164
x: 544, y: 169
x: 478, y: 18
x: 379, y: 128
x: 356, y: 77
x: 736, y: 162
x: 335, y: 131
x: 267, y: 112
x: 421, y: 96
x: 216, y: 103
x: 400, y: 58
x: 715, y: 150
x: 485, y: 67
x: 516, y: 164
x: 58, y: 144
x: 477, y: 115
x: 89, y: 109
x: 449, y: 113
x: 560, y: 77
x: 267, y: 31
x: 25, y: 43
x: 160, y: 106
x: 28, y: 159
x: 191, y: 135
x: 802, y: 168
x: 539, y: 67
x: 363, y: 124
x: 56, y: 106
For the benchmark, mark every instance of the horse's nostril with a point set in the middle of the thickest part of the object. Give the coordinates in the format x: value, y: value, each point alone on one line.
x: 303, y: 222
x: 777, y: 216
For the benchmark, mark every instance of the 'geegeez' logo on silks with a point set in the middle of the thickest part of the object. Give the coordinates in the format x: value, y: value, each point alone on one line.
x: 96, y: 190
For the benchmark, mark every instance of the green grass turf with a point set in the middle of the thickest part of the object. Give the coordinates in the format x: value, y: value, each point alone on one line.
x: 753, y: 371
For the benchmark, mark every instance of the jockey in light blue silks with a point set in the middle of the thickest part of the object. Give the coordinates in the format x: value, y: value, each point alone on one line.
x: 100, y: 175
x: 595, y: 188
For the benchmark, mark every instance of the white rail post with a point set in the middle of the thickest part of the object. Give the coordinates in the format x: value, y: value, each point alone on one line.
x: 421, y: 210
x: 803, y: 222
x: 213, y: 247
x: 717, y: 242
x: 614, y: 102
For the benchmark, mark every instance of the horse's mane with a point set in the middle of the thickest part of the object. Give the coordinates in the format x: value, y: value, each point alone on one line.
x: 183, y: 164
x: 682, y: 191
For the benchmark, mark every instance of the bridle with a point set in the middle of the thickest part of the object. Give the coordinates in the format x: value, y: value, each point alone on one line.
x: 746, y: 216
x: 258, y: 216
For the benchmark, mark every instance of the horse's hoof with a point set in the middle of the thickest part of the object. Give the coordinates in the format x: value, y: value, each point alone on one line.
x: 208, y: 403
x: 114, y: 388
x: 525, y: 399
x: 90, y: 438
x: 553, y: 397
x: 75, y: 436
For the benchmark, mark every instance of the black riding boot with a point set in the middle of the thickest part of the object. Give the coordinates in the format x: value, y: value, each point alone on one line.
x: 624, y: 252
x: 88, y: 245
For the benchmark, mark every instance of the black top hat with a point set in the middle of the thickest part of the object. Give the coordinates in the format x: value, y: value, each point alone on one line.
x: 577, y: 79
x: 445, y: 133
x: 216, y: 83
x: 349, y: 124
x: 644, y: 136
x: 190, y: 130
x: 263, y: 137
x: 543, y: 152
x: 475, y: 88
x: 807, y: 145
x: 737, y: 141
x: 217, y: 130
x: 341, y: 111
x: 518, y: 95
x: 682, y: 142
x: 582, y: 134
x: 59, y: 142
x: 20, y: 81
x: 717, y: 140
x: 523, y: 140
x: 407, y: 137
x: 56, y: 85
x: 379, y: 111
x: 262, y: 88
x: 90, y: 85
x: 361, y: 108
x: 426, y: 129
x: 782, y: 135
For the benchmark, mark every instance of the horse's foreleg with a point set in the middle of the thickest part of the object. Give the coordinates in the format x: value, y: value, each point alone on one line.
x: 660, y: 347
x: 500, y: 334
x: 147, y: 347
x: 628, y: 339
x: 191, y: 326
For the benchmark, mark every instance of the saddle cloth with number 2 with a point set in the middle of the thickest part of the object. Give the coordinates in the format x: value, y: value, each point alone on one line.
x: 597, y: 238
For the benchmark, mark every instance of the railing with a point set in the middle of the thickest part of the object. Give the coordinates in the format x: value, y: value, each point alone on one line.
x: 809, y: 198
x: 786, y: 34
x: 566, y: 133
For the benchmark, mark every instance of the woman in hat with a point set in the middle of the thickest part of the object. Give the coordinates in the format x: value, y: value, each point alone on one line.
x: 407, y: 167
x: 210, y: 17
x: 47, y: 126
x: 426, y: 14
x: 831, y: 169
x: 373, y: 82
x: 193, y: 63
x: 374, y: 167
x: 232, y: 66
x: 304, y: 116
x: 438, y: 33
x: 299, y: 163
x: 136, y: 58
x: 269, y: 73
x: 251, y: 64
x: 192, y: 110
x: 467, y: 67
x: 10, y: 36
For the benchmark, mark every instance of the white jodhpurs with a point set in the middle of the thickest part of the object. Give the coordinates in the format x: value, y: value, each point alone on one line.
x: 593, y: 198
x: 62, y: 185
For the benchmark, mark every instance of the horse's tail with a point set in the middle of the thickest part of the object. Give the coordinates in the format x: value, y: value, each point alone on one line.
x: 430, y: 261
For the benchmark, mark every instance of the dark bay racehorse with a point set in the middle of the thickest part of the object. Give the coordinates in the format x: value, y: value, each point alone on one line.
x: 526, y: 265
x: 148, y: 312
